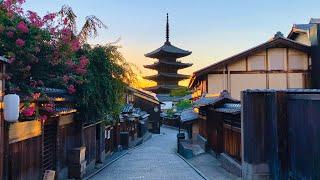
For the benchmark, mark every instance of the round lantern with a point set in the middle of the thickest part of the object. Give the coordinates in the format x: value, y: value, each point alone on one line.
x: 156, y: 109
x: 11, y: 104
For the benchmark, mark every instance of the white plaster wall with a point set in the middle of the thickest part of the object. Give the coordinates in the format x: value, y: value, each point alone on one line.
x: 256, y: 62
x: 296, y: 80
x: 240, y: 82
x: 216, y: 83
x: 277, y: 59
x: 297, y: 60
x: 278, y: 81
x: 238, y: 66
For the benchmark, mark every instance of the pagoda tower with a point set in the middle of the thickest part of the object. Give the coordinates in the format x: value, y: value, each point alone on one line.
x: 167, y: 66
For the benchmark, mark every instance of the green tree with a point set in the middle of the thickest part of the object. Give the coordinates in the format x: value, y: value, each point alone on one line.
x: 101, y: 95
x: 181, y: 91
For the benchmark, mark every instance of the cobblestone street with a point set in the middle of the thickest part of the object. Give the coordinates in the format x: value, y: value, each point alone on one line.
x: 154, y: 160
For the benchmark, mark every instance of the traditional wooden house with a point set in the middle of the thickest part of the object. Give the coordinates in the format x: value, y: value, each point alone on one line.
x: 147, y: 102
x: 279, y: 63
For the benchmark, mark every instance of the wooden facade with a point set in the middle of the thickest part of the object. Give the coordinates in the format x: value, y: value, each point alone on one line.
x: 146, y: 102
x: 221, y: 127
x: 280, y: 136
x: 277, y: 64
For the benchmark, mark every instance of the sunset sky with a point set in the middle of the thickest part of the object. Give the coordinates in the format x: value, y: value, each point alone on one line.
x: 212, y: 30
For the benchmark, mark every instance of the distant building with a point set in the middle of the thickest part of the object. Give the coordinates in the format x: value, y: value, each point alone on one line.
x: 167, y: 66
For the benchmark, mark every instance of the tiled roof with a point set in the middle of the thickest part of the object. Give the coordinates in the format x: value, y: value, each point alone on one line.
x: 232, y: 108
x: 178, y: 65
x: 188, y: 115
x: 167, y: 75
x: 168, y: 49
x: 128, y: 108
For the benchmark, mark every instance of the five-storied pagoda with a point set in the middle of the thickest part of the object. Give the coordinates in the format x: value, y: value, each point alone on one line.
x: 167, y: 66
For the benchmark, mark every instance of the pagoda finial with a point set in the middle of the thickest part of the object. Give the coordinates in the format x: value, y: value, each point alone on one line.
x: 167, y: 29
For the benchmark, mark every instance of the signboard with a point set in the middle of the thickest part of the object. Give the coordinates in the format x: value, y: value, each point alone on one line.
x: 24, y: 130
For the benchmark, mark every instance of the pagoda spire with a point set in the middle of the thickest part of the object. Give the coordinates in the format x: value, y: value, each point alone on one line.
x: 167, y: 29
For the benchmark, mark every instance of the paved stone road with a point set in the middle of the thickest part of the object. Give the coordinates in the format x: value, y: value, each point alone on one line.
x: 153, y: 160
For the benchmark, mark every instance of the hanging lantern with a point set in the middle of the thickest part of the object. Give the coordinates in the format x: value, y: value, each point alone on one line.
x: 11, y: 107
x: 156, y: 109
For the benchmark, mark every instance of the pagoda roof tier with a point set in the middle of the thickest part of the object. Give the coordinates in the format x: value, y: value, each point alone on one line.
x: 174, y: 65
x: 162, y: 75
x: 162, y: 87
x: 168, y: 50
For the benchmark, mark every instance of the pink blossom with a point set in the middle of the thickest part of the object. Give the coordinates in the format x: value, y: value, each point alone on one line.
x: 70, y: 63
x: 29, y: 111
x: 49, y: 107
x: 49, y: 17
x: 20, y: 42
x: 22, y: 27
x: 52, y: 30
x: 35, y: 19
x: 43, y: 117
x: 80, y: 71
x: 11, y: 60
x: 71, y: 89
x: 75, y: 45
x: 66, y: 79
x: 33, y: 83
x: 65, y: 21
x: 35, y: 96
x: 10, y: 34
x: 84, y: 61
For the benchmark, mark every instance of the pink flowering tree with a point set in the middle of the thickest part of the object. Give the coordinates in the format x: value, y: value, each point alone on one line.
x: 43, y: 51
x: 50, y: 51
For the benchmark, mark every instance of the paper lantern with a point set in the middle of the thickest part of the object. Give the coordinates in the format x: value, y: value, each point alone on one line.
x: 156, y: 109
x: 11, y: 107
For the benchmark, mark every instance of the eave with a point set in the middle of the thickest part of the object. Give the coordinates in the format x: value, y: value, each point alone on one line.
x: 161, y: 75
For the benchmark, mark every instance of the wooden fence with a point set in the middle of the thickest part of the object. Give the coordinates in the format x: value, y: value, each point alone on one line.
x: 89, y: 133
x: 232, y: 141
x: 281, y: 132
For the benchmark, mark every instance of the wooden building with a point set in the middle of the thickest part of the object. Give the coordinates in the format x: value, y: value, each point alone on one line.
x: 279, y: 63
x: 147, y: 102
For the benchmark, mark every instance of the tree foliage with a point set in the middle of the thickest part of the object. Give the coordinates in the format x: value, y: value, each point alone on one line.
x: 48, y: 51
x: 184, y: 104
x: 181, y: 91
x: 102, y: 94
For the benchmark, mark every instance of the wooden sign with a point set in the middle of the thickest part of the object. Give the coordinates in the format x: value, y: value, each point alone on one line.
x: 24, y: 130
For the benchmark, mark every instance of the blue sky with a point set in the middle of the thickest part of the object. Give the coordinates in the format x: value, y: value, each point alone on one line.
x: 211, y: 29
